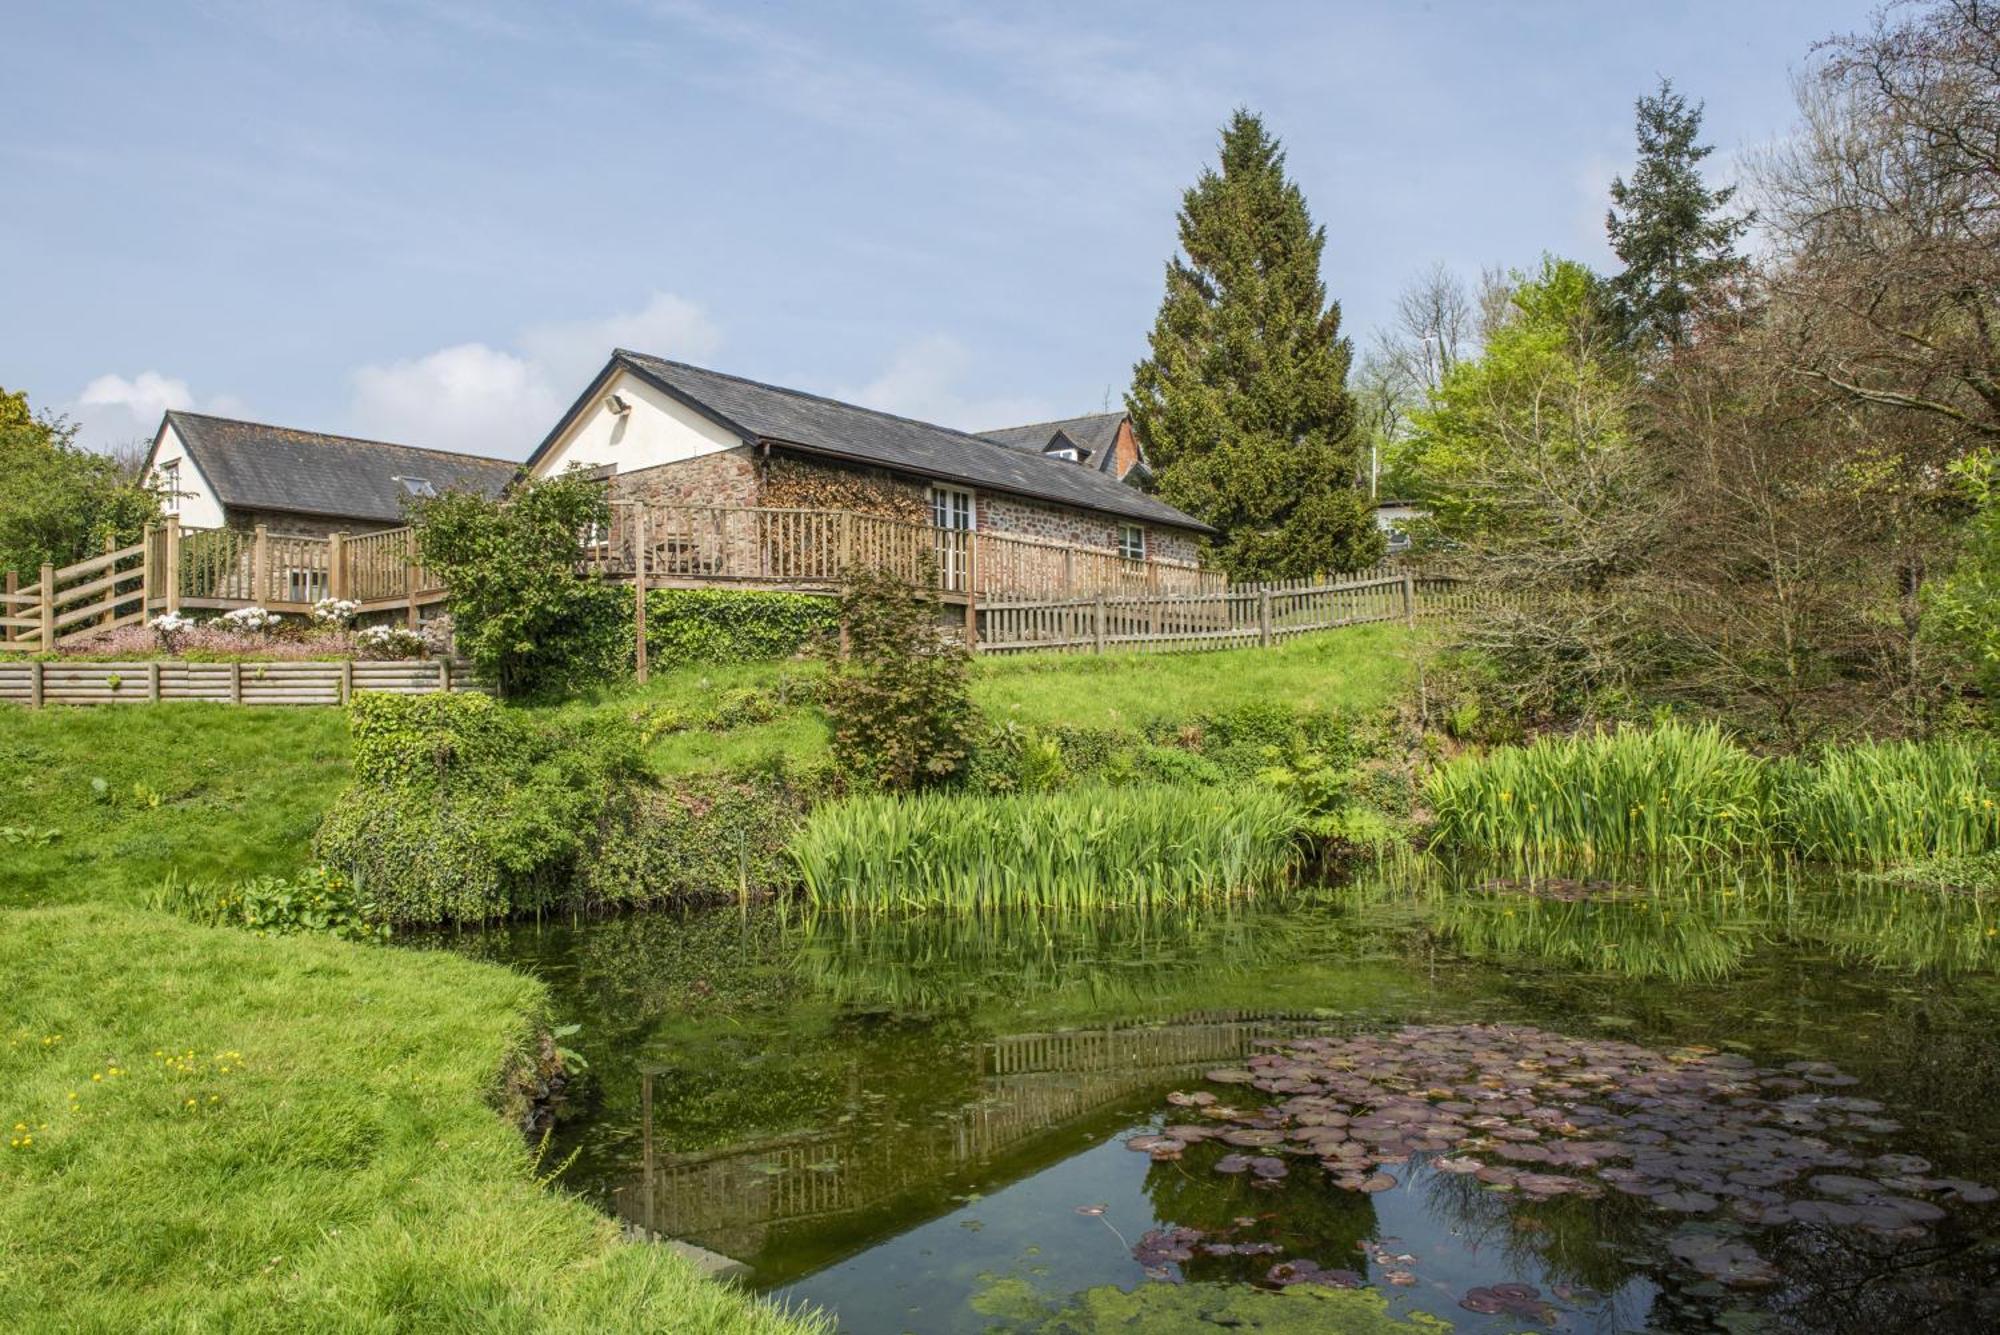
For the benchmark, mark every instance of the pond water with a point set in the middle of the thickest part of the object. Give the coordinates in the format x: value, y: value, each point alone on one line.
x: 1730, y: 1103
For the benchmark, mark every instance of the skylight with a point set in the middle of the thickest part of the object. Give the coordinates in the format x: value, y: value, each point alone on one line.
x: 418, y: 486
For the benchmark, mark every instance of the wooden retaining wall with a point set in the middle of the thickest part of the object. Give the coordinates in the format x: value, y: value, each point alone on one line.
x: 291, y: 682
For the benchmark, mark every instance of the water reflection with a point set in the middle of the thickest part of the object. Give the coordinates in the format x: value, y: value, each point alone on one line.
x: 886, y: 1116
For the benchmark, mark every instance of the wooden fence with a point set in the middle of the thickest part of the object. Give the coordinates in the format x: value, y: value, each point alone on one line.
x: 292, y: 682
x: 814, y: 550
x: 1233, y: 617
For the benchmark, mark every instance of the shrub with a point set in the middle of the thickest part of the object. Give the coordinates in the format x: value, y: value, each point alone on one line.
x: 464, y: 810
x: 250, y: 620
x: 391, y: 642
x: 337, y: 613
x: 899, y: 705
x: 524, y: 616
x: 1087, y: 848
x: 318, y: 899
x: 704, y: 836
x: 732, y: 625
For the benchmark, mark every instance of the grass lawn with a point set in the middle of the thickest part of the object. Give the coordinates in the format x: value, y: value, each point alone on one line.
x: 1357, y: 668
x: 241, y: 1133
x: 99, y: 803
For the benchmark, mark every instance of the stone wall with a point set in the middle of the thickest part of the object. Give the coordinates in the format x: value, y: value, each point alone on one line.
x: 304, y: 526
x: 1015, y: 516
x: 726, y: 477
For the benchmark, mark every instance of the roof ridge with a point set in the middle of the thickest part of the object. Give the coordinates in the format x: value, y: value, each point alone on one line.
x: 808, y: 394
x: 358, y: 440
x: 1061, y: 421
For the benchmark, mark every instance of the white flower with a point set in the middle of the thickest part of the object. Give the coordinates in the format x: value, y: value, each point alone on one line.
x: 388, y: 641
x: 171, y: 623
x: 253, y: 620
x: 335, y: 611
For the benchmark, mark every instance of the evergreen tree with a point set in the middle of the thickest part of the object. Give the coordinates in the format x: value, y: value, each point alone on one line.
x: 1243, y: 404
x: 1668, y: 226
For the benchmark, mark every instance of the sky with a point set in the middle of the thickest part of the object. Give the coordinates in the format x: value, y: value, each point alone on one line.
x: 430, y: 222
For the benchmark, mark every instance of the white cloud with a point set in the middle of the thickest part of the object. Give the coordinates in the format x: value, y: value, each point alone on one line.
x: 470, y: 397
x: 113, y: 411
x: 488, y: 400
x: 923, y: 381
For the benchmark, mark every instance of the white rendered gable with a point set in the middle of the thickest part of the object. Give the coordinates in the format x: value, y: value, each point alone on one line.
x: 656, y: 429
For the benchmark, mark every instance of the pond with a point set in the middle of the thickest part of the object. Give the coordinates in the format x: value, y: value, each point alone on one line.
x: 1741, y: 1102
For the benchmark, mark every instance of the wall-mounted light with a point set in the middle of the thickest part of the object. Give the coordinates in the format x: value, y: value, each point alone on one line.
x: 618, y: 404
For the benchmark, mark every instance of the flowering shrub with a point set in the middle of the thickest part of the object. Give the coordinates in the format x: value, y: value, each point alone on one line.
x: 250, y: 620
x: 169, y: 627
x: 335, y: 612
x: 388, y: 642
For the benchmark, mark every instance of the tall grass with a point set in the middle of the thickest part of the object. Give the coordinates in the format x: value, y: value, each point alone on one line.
x: 1082, y: 849
x: 1689, y: 793
x: 1893, y: 802
x: 1674, y: 792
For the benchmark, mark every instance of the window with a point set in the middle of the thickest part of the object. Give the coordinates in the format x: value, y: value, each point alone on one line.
x: 305, y: 586
x: 170, y: 487
x: 951, y: 508
x: 1132, y: 542
x: 420, y: 487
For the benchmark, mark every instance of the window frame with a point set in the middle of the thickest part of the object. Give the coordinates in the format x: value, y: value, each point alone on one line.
x: 169, y: 486
x: 1126, y: 546
x: 944, y: 500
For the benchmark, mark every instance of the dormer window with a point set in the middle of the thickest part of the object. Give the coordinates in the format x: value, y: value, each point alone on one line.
x: 419, y: 487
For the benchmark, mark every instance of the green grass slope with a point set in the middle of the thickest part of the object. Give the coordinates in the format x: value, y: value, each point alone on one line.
x: 207, y: 1130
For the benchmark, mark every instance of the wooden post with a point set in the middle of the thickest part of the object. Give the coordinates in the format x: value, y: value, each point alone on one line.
x: 346, y: 680
x: 1409, y: 599
x: 153, y: 680
x: 1263, y: 616
x: 444, y: 676
x: 1097, y: 624
x: 235, y: 681
x: 971, y: 590
x: 336, y: 565
x: 146, y: 577
x: 111, y: 573
x: 260, y: 564
x: 172, y: 574
x: 35, y: 684
x: 13, y: 609
x: 410, y: 574
x: 48, y: 608
x: 1069, y: 571
x: 639, y: 592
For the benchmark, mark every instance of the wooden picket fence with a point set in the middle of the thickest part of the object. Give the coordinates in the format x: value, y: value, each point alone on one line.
x: 1238, y: 616
x: 36, y: 683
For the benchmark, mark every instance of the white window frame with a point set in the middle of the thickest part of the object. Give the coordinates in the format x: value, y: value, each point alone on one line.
x: 1127, y: 546
x: 170, y: 487
x: 950, y: 504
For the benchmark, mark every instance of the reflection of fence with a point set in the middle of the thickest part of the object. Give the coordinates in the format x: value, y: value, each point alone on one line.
x: 1239, y: 615
x: 1030, y: 1085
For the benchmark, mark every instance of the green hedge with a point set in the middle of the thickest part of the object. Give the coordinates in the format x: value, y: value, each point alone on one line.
x: 733, y: 626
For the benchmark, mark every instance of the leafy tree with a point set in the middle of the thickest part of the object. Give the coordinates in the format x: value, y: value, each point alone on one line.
x: 1966, y: 602
x: 1243, y: 402
x: 1668, y: 226
x: 521, y: 611
x: 899, y: 702
x: 60, y: 503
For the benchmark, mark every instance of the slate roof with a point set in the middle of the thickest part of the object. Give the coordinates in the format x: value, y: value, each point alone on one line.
x: 807, y: 422
x: 254, y: 466
x: 1097, y: 432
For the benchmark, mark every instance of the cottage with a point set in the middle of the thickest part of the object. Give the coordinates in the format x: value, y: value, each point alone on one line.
x: 217, y: 472
x: 677, y: 439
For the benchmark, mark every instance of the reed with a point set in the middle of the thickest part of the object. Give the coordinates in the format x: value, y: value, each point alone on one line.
x: 1082, y: 849
x: 1884, y: 802
x: 1676, y: 791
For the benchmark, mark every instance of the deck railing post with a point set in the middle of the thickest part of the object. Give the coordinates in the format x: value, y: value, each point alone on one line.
x: 147, y: 579
x: 972, y: 591
x: 336, y: 565
x: 48, y: 608
x: 1097, y: 624
x: 172, y: 574
x: 260, y: 565
x: 111, y: 573
x: 639, y: 592
x: 13, y: 608
x: 410, y: 575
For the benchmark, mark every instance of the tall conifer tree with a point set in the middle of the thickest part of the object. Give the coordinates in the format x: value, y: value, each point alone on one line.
x: 1243, y: 404
x: 1668, y: 226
